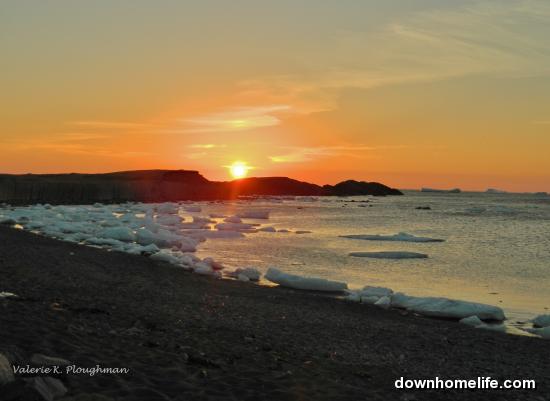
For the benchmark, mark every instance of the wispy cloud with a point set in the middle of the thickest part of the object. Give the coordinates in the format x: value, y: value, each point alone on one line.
x: 298, y: 154
x: 237, y: 119
x: 207, y: 146
x: 69, y: 147
x: 111, y: 124
x: 504, y: 39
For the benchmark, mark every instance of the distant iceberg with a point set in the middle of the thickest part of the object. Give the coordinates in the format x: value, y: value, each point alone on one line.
x: 404, y: 237
x: 444, y: 191
x: 495, y: 191
x: 389, y: 255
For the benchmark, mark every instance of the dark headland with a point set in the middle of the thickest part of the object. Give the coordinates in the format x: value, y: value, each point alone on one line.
x: 164, y: 185
x: 188, y: 337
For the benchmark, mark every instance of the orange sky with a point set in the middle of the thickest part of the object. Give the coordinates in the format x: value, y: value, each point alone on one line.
x: 435, y: 93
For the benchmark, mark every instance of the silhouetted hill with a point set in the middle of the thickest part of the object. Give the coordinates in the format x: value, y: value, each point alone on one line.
x: 162, y: 185
x: 352, y: 187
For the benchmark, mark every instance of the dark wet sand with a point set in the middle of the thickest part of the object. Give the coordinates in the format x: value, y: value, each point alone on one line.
x: 186, y: 337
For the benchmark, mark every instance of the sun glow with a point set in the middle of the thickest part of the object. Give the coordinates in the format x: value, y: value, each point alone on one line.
x: 239, y: 169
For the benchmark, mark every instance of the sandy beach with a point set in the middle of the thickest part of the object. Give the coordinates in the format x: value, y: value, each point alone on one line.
x: 187, y: 337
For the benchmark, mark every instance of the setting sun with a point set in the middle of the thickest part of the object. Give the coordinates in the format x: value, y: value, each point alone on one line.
x: 238, y: 169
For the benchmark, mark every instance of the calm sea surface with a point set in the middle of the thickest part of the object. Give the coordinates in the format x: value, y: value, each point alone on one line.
x: 496, y: 249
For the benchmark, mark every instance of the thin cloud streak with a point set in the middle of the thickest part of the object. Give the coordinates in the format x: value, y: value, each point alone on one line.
x: 499, y: 39
x: 237, y: 119
x: 304, y: 154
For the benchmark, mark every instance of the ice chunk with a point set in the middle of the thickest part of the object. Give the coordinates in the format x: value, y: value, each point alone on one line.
x: 384, y: 302
x: 211, y: 262
x: 544, y: 332
x: 202, y: 220
x: 389, y: 255
x: 118, y: 233
x: 217, y: 216
x: 283, y: 230
x: 302, y: 232
x: 268, y: 229
x: 233, y: 219
x: 145, y: 237
x: 353, y: 296
x: 446, y: 308
x: 369, y: 299
x: 193, y: 209
x: 304, y: 283
x: 541, y: 321
x: 404, y: 237
x: 168, y: 256
x: 254, y: 214
x: 206, y: 270
x: 376, y: 291
x: 250, y: 272
x: 471, y: 321
x: 167, y: 208
x: 242, y: 277
x: 169, y: 220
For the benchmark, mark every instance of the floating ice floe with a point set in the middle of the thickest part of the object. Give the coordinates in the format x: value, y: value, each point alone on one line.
x: 541, y: 321
x: 217, y: 216
x: 302, y: 232
x: 233, y: 219
x: 254, y: 214
x: 404, y: 237
x: 303, y: 283
x: 268, y: 229
x: 389, y: 255
x: 5, y: 294
x: 446, y: 308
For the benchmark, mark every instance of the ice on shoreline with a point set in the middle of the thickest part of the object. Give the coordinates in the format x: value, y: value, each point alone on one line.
x: 543, y: 332
x: 251, y: 273
x: 446, y: 308
x: 157, y: 230
x: 470, y: 313
x: 402, y: 236
x: 303, y: 283
x: 389, y: 255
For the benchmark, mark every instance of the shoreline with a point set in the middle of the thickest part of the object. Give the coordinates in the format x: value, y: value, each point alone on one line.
x: 193, y: 235
x: 185, y: 336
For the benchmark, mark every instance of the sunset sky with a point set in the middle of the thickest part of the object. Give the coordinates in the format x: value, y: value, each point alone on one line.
x: 410, y: 93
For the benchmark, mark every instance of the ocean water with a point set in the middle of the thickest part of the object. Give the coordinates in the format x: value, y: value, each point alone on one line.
x: 496, y: 249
